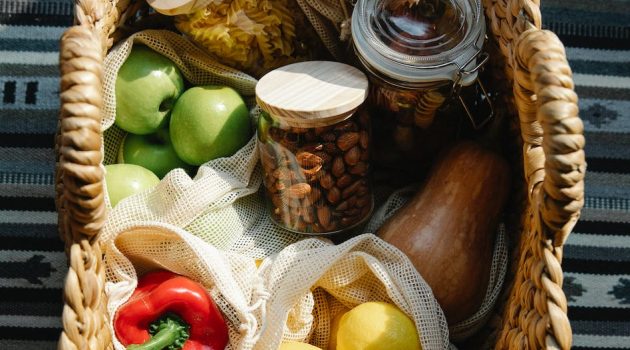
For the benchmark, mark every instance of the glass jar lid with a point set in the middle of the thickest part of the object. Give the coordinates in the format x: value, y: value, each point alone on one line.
x: 419, y: 41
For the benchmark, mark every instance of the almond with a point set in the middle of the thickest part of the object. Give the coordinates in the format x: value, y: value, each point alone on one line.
x: 333, y: 195
x: 338, y: 168
x: 323, y: 216
x: 344, y: 181
x: 315, y: 195
x: 299, y: 191
x: 347, y: 140
x: 342, y: 206
x: 308, y: 160
x: 352, y: 156
x: 360, y: 169
x: 327, y: 181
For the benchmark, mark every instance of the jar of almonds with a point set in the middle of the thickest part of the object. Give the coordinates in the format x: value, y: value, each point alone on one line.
x: 420, y: 55
x: 314, y: 143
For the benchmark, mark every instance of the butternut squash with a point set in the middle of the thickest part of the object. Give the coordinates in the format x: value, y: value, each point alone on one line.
x: 448, y: 228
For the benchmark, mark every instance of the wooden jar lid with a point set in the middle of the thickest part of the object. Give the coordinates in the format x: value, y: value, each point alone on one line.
x: 314, y: 93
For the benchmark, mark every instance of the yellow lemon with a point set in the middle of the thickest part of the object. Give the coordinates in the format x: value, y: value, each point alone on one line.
x: 334, y: 328
x: 293, y: 345
x: 377, y: 326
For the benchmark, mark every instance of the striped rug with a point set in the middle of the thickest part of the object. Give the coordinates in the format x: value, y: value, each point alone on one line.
x: 32, y: 263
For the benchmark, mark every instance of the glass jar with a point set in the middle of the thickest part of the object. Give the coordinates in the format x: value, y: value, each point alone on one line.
x: 419, y: 54
x: 314, y: 145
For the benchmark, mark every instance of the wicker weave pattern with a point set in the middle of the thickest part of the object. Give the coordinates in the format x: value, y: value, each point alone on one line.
x: 534, y: 310
x: 80, y: 198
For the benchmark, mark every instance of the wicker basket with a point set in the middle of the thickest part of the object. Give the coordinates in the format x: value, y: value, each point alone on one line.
x: 535, y: 81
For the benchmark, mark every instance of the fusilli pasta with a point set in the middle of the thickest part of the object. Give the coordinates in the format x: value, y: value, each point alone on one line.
x: 250, y: 35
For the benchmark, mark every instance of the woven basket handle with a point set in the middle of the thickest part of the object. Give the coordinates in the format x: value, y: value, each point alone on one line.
x: 80, y: 197
x: 555, y: 164
x: 79, y: 173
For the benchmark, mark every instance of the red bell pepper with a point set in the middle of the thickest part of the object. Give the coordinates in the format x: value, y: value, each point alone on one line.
x: 169, y: 311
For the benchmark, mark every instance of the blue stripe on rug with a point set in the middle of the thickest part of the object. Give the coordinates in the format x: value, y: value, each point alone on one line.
x: 593, y: 67
x: 28, y: 344
x: 30, y: 44
x: 621, y: 254
x: 30, y: 231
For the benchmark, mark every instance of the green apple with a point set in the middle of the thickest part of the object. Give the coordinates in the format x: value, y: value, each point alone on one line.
x: 123, y: 180
x: 154, y: 152
x: 209, y: 122
x: 147, y: 86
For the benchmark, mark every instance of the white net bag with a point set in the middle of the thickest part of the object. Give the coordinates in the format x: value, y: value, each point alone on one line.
x: 231, y: 279
x: 209, y: 227
x: 313, y: 280
x: 220, y: 204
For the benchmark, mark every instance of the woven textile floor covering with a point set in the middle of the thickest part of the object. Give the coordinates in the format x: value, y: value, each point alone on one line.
x: 32, y: 262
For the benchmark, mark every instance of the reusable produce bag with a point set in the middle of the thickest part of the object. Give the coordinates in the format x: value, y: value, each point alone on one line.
x: 312, y: 280
x: 230, y: 278
x: 215, y: 204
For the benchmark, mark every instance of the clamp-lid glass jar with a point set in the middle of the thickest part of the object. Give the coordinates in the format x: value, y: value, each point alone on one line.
x: 314, y: 144
x: 419, y: 54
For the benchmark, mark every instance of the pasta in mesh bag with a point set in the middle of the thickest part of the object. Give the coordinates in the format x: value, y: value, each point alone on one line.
x: 250, y: 35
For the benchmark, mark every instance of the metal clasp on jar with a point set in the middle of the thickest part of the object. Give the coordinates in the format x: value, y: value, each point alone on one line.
x: 480, y: 96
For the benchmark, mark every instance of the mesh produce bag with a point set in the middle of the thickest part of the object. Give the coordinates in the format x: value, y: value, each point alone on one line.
x: 230, y: 278
x: 170, y: 225
x: 313, y: 280
x: 220, y: 204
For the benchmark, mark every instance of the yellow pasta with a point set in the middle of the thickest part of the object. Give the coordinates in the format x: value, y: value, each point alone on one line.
x: 250, y: 35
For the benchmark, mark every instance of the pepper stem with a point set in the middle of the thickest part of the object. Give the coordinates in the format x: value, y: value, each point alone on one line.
x: 169, y: 332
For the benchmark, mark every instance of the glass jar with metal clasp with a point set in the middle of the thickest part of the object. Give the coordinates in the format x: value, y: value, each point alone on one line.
x: 420, y: 56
